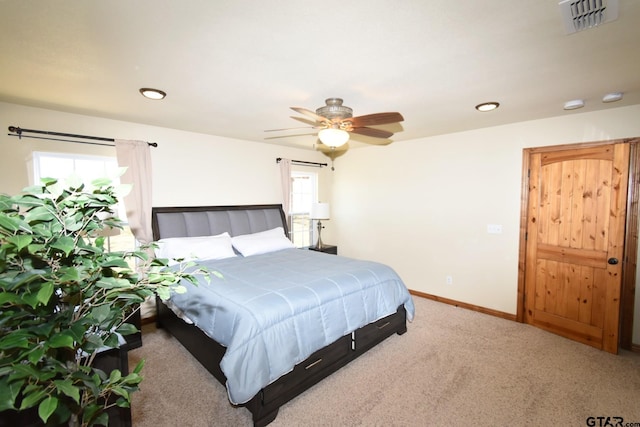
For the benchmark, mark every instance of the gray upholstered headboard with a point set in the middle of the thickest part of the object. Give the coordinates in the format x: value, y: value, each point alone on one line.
x: 195, y: 221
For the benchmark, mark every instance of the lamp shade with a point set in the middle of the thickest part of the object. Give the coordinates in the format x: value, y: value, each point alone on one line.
x: 333, y: 137
x: 320, y: 211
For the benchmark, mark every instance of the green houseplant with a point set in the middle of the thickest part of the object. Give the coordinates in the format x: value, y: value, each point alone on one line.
x: 64, y: 298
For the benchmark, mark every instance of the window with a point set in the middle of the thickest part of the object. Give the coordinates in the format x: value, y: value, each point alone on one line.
x: 84, y: 168
x: 304, y: 192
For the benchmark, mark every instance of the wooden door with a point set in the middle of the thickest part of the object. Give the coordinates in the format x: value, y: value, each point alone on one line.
x: 575, y: 242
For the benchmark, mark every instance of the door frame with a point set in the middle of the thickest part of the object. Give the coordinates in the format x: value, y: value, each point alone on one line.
x: 629, y: 267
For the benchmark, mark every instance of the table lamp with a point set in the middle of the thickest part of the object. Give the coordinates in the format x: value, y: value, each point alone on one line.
x: 319, y: 211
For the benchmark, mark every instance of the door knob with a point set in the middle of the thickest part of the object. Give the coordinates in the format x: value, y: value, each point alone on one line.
x: 612, y: 261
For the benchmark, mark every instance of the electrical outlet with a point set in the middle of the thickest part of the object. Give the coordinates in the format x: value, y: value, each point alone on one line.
x: 449, y: 280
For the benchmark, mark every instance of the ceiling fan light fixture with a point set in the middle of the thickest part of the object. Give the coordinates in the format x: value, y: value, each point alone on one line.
x: 333, y: 137
x: 334, y: 109
x: 152, y: 93
x: 487, y: 106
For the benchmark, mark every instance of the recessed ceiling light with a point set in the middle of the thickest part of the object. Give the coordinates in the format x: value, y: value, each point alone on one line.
x: 612, y: 97
x: 152, y: 93
x: 487, y: 106
x: 573, y: 105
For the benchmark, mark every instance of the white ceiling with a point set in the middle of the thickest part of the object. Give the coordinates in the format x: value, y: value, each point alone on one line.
x: 233, y: 68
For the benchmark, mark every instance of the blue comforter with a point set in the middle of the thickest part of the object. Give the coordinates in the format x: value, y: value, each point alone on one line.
x: 274, y: 310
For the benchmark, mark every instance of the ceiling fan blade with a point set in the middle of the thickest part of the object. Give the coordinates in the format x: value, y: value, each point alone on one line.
x: 311, y: 114
x: 301, y: 127
x: 375, y: 119
x: 307, y: 121
x: 293, y: 135
x: 375, y: 133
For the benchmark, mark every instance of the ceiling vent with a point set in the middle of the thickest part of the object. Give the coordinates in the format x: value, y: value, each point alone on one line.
x: 579, y: 15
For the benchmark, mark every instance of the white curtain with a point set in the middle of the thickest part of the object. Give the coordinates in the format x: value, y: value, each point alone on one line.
x: 136, y: 157
x: 285, y: 178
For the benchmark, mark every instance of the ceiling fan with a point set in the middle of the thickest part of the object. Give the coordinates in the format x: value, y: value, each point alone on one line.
x: 336, y: 121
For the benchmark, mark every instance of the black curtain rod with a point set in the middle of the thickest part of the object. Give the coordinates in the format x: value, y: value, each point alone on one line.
x: 19, y: 133
x: 303, y: 163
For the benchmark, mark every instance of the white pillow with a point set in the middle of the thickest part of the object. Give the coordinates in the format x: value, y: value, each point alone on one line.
x: 191, y: 248
x: 262, y: 242
x: 278, y: 231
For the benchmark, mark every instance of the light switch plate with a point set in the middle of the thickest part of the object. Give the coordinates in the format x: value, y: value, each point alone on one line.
x: 494, y: 228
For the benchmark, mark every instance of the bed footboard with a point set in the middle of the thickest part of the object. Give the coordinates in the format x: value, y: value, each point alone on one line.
x: 264, y: 406
x: 207, y: 351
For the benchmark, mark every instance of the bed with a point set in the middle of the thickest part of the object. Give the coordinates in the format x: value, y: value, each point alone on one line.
x: 274, y: 320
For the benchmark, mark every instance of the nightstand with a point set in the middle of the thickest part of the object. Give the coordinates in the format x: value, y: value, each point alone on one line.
x: 327, y: 249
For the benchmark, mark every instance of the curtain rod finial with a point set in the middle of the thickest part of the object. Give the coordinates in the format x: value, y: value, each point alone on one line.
x: 17, y: 130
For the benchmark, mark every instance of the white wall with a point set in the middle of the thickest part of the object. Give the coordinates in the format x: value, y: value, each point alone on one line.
x: 188, y: 168
x: 428, y: 203
x: 421, y: 206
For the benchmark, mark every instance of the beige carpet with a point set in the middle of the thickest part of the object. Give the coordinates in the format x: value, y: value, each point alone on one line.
x: 454, y: 367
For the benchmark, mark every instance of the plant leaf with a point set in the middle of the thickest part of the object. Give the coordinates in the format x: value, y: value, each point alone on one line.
x: 45, y: 292
x: 64, y: 243
x: 115, y: 262
x: 62, y: 339
x: 139, y: 367
x: 30, y: 199
x: 120, y: 391
x: 93, y: 342
x: 112, y: 341
x: 48, y: 181
x: 14, y: 340
x: 123, y: 403
x: 39, y: 213
x: 8, y: 393
x: 31, y: 399
x: 163, y: 293
x: 179, y: 289
x: 6, y: 297
x: 112, y: 282
x: 25, y: 371
x: 100, y: 313
x: 9, y: 224
x: 35, y: 355
x: 31, y: 299
x: 47, y: 407
x: 115, y: 375
x: 67, y: 387
x: 89, y: 412
x: 101, y: 182
x: 70, y: 274
x: 101, y: 420
x: 20, y: 241
x: 77, y: 331
x: 127, y: 329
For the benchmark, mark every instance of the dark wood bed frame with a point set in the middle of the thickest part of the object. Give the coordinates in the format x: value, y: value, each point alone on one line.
x: 264, y: 406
